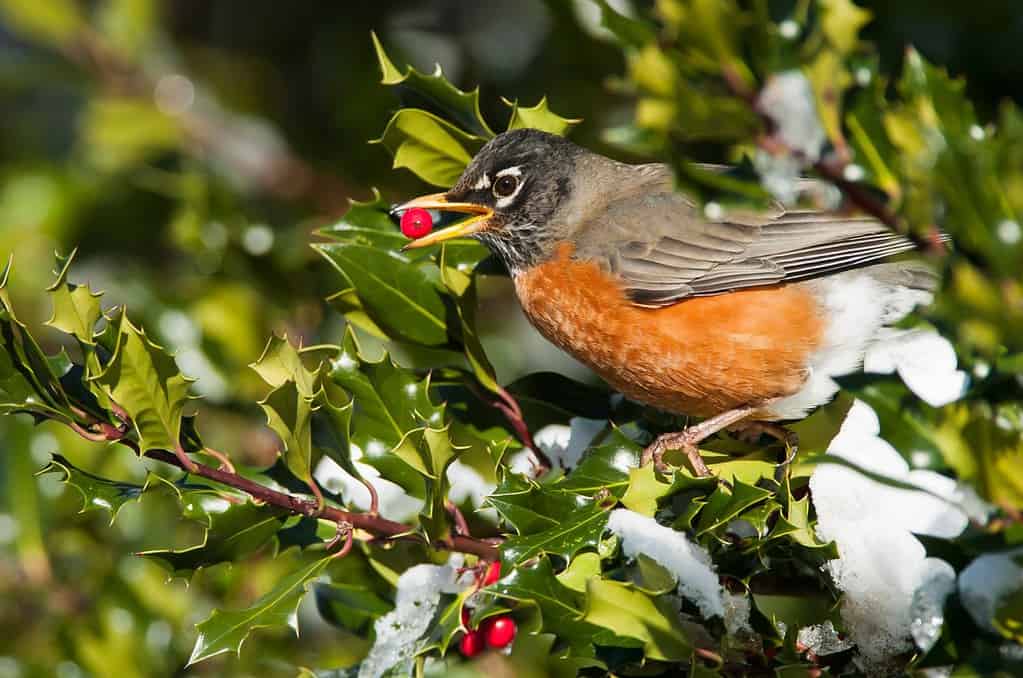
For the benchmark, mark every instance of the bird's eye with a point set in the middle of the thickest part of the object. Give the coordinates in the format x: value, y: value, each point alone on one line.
x: 505, y: 186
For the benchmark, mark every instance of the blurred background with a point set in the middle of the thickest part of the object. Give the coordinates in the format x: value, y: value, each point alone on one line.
x: 189, y: 149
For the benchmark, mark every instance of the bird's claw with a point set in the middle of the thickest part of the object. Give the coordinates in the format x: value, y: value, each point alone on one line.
x: 674, y: 441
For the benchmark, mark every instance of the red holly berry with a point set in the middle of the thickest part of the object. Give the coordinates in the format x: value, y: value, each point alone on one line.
x: 499, y: 631
x: 492, y: 574
x: 471, y: 644
x: 416, y: 222
x: 465, y: 616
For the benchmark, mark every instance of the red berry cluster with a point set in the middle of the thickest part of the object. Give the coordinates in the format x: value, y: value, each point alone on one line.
x: 494, y: 633
x: 416, y: 222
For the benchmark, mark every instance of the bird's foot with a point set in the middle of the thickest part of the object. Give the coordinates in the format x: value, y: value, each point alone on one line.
x: 686, y: 441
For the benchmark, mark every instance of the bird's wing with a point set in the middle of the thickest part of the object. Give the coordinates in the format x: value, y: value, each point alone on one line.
x: 665, y: 249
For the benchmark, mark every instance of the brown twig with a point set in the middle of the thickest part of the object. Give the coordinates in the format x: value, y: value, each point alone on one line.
x: 364, y: 521
x: 509, y: 407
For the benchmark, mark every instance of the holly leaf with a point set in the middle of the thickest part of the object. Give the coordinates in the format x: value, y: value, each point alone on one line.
x: 724, y: 504
x: 144, y: 380
x: 461, y: 285
x: 76, y: 308
x: 388, y: 401
x: 433, y: 93
x: 630, y: 613
x: 98, y: 494
x: 430, y: 147
x: 539, y: 117
x: 646, y: 489
x: 578, y: 530
x: 530, y: 507
x: 429, y: 451
x: 400, y: 297
x: 289, y: 413
x: 27, y: 380
x: 226, y: 630
x: 232, y: 535
x: 606, y: 466
x: 351, y: 606
x: 281, y: 362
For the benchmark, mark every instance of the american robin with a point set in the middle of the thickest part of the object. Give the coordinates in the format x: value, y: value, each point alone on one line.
x: 741, y: 318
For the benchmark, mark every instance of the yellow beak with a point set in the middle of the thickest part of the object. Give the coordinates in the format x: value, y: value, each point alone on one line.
x: 463, y: 229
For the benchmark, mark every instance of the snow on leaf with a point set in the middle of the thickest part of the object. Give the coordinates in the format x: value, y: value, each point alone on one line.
x: 399, y: 633
x: 881, y: 563
x: 689, y: 563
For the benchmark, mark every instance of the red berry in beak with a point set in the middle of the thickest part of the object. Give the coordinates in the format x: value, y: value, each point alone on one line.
x: 416, y: 222
x: 471, y: 644
x: 499, y: 632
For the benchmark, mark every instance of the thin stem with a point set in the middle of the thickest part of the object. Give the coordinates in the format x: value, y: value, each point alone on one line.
x: 364, y: 521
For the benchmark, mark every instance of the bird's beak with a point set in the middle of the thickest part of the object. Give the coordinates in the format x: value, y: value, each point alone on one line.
x: 463, y: 229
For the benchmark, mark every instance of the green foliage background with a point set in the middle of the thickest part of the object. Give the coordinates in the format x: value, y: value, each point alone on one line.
x: 198, y: 218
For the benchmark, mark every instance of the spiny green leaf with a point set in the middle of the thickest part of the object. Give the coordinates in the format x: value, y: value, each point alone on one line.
x: 432, y: 148
x: 433, y: 93
x: 578, y: 530
x: 76, y: 308
x: 370, y: 224
x: 98, y: 494
x: 226, y: 630
x: 539, y: 117
x: 351, y: 606
x: 400, y: 297
x: 27, y: 380
x: 281, y: 363
x: 289, y: 414
x: 605, y: 467
x: 530, y: 507
x: 389, y: 401
x: 631, y: 613
x: 143, y: 379
x: 233, y: 534
x: 724, y: 504
x: 462, y: 287
x: 646, y: 488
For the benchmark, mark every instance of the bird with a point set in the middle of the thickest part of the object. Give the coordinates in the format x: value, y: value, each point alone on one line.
x: 742, y: 318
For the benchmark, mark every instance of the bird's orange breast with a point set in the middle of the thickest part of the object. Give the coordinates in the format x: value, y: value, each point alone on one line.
x: 700, y: 356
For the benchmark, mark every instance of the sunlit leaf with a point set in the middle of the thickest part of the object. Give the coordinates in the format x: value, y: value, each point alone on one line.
x: 226, y: 630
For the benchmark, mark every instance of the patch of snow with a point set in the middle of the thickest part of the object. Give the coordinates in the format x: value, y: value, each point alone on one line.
x: 399, y: 633
x: 927, y: 610
x: 926, y: 363
x: 689, y: 563
x: 788, y: 100
x: 395, y: 503
x: 467, y: 483
x: 986, y: 581
x: 881, y: 563
x: 736, y: 617
x: 563, y: 445
x: 822, y: 639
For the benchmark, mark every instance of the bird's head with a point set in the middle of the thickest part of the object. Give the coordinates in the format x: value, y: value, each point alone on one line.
x: 512, y: 191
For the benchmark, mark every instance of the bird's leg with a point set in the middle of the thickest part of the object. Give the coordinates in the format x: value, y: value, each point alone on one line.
x: 689, y: 440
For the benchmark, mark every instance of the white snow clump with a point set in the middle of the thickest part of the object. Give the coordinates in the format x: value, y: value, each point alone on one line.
x: 926, y: 363
x: 881, y: 563
x: 400, y: 631
x: 689, y: 563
